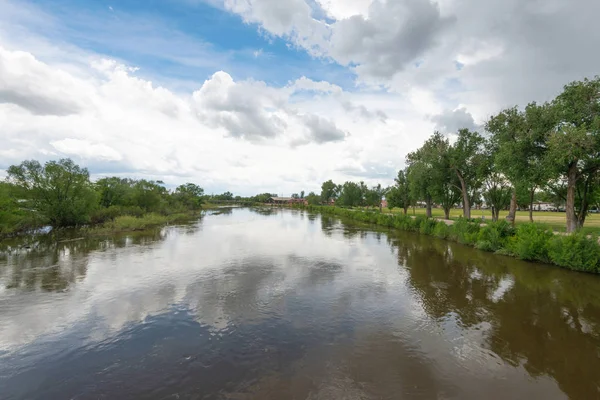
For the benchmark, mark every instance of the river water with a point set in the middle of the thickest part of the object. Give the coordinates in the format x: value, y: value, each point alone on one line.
x: 283, y: 304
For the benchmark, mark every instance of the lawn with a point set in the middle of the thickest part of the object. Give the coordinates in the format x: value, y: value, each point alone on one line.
x: 555, y: 220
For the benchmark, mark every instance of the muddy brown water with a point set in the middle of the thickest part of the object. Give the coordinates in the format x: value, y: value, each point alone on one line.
x: 281, y: 304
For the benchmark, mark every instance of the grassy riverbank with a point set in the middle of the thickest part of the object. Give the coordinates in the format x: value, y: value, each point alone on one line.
x: 553, y: 220
x: 128, y: 223
x: 531, y: 242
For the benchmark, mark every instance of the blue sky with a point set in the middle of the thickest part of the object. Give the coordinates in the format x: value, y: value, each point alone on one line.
x: 272, y: 96
x: 213, y: 37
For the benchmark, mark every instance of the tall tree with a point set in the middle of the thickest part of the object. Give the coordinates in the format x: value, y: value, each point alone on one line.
x: 60, y: 190
x: 399, y: 194
x: 519, y: 139
x: 351, y: 195
x: 574, y: 146
x: 467, y: 158
x: 190, y: 195
x: 329, y: 191
x: 375, y: 196
x: 431, y: 175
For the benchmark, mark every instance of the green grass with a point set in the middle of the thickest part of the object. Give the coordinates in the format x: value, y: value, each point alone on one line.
x: 553, y: 220
x: 128, y: 223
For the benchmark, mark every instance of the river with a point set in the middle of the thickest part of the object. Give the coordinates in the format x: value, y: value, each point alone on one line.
x: 284, y: 304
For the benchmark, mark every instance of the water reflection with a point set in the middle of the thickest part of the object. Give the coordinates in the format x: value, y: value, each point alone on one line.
x: 271, y: 303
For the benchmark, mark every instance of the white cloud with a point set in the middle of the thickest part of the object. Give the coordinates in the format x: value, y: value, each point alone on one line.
x: 85, y: 149
x: 245, y: 136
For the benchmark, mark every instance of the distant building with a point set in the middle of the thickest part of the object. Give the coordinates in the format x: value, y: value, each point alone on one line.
x: 384, y: 203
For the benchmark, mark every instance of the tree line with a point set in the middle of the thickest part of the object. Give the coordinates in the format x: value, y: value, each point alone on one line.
x: 548, y: 151
x: 60, y: 193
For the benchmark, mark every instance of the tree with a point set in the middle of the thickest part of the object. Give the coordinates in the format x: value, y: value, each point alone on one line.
x: 295, y: 196
x: 519, y: 139
x: 374, y: 196
x: 114, y: 191
x: 151, y: 196
x: 399, y: 194
x: 302, y: 194
x: 60, y: 190
x: 313, y: 199
x: 431, y: 176
x: 189, y: 195
x: 467, y: 158
x: 329, y: 191
x: 574, y: 146
x: 351, y: 195
x: 497, y: 193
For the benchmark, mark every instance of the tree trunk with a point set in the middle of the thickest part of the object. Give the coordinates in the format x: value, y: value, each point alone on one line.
x: 513, y: 208
x: 531, y: 204
x: 447, y: 213
x: 570, y: 206
x: 583, y: 209
x: 466, y: 205
x: 405, y: 210
x: 495, y: 213
x: 428, y: 207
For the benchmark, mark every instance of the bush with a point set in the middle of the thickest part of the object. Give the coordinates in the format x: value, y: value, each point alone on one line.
x: 576, y: 251
x: 531, y: 242
x: 442, y: 230
x: 414, y: 224
x: 464, y: 232
x: 427, y: 226
x: 102, y: 215
x: 494, y: 236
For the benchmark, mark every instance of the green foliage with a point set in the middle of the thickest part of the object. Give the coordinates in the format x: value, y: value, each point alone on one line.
x: 575, y: 251
x: 428, y: 225
x: 60, y: 190
x: 442, y: 231
x: 313, y: 199
x: 329, y: 191
x: 351, y: 195
x: 189, y: 196
x: 494, y: 236
x: 399, y: 195
x: 465, y: 232
x: 531, y: 242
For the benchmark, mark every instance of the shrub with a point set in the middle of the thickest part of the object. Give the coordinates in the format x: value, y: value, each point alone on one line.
x: 494, y: 236
x: 442, y: 230
x: 427, y: 226
x: 102, y: 215
x: 531, y: 242
x: 576, y: 251
x: 464, y: 232
x: 414, y: 224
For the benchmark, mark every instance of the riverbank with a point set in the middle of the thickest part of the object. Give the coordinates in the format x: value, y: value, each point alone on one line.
x: 552, y: 219
x: 526, y: 241
x: 118, y: 224
x: 128, y: 223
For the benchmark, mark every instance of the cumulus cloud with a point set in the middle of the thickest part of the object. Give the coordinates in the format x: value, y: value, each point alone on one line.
x: 322, y: 130
x: 126, y: 125
x: 378, y: 37
x: 248, y: 110
x: 254, y: 111
x: 450, y: 121
x: 24, y: 82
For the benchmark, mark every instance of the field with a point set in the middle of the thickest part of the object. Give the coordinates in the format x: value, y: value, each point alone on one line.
x: 555, y: 220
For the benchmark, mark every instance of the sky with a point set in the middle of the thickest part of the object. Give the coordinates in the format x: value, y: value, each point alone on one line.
x: 254, y: 96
